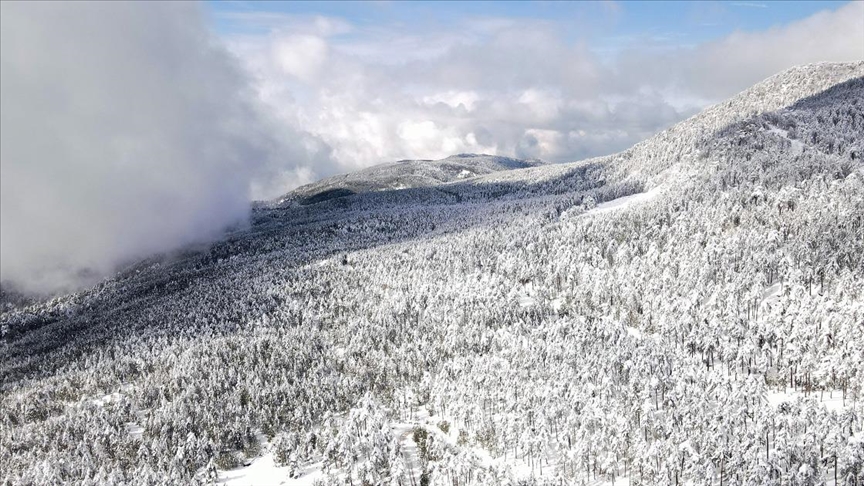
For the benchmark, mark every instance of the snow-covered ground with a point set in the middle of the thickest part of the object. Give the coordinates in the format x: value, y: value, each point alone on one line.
x: 797, y: 145
x: 134, y: 429
x: 771, y: 294
x: 263, y: 471
x: 832, y: 399
x: 625, y: 202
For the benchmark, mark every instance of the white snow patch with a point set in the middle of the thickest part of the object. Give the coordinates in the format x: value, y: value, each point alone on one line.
x: 557, y: 304
x: 771, y: 294
x: 134, y: 430
x: 619, y: 481
x: 519, y: 469
x: 526, y: 301
x: 263, y: 471
x: 623, y: 202
x: 832, y: 399
x: 111, y: 397
x: 797, y: 145
x: 404, y: 433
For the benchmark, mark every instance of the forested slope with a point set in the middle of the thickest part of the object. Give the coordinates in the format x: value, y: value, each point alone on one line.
x: 690, y: 310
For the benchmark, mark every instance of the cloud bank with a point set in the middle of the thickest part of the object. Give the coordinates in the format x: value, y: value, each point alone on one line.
x: 518, y: 87
x: 126, y: 130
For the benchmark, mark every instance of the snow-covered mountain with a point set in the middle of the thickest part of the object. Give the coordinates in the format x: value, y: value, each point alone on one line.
x: 687, y: 311
x: 405, y: 174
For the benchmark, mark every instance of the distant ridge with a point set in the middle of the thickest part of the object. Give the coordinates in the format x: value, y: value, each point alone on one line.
x: 406, y: 174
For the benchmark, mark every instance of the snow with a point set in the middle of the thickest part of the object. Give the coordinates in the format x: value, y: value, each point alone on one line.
x: 111, y: 397
x: 797, y: 145
x: 263, y: 471
x: 832, y: 399
x: 620, y: 481
x: 771, y: 294
x: 557, y: 304
x: 526, y: 301
x: 410, y: 174
x: 636, y: 333
x: 134, y: 430
x: 624, y: 202
x: 519, y: 469
x: 526, y: 295
x: 404, y: 433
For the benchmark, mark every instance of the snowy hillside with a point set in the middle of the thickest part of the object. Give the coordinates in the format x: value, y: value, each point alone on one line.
x: 405, y: 174
x: 689, y: 311
x: 646, y: 160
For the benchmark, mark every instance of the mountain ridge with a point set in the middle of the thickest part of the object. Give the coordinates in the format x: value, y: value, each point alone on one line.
x: 405, y: 174
x: 646, y: 159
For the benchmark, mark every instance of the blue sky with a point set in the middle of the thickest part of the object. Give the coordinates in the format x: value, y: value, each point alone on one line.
x: 605, y: 25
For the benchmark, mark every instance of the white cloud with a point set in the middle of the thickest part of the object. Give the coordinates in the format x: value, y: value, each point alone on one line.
x: 543, y: 105
x: 317, y: 25
x: 525, y: 87
x: 453, y: 99
x: 301, y: 56
x: 749, y: 4
x: 721, y: 68
x: 537, y: 142
x: 126, y: 130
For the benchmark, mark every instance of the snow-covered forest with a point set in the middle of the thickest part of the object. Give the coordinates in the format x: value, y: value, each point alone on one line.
x: 689, y: 311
